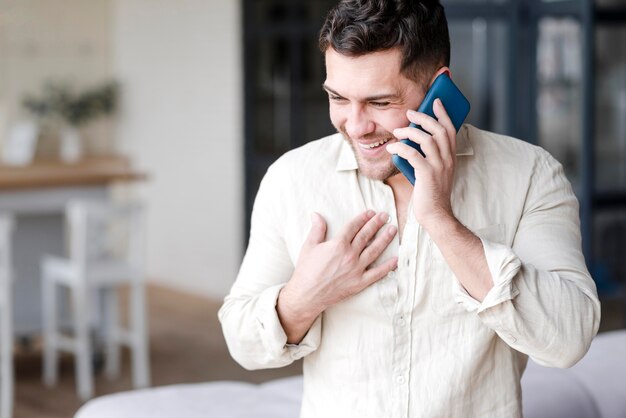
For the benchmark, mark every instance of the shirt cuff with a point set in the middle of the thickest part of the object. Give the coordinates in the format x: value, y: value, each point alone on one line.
x: 272, y: 333
x: 503, y: 266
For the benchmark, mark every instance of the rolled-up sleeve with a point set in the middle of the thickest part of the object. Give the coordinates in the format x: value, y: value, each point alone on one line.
x: 544, y: 302
x: 250, y: 323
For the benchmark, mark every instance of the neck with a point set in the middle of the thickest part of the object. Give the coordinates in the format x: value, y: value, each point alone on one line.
x: 402, y: 191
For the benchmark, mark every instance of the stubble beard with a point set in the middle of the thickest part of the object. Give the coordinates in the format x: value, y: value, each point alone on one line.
x: 379, y: 169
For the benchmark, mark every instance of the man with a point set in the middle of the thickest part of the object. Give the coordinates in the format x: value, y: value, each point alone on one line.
x: 406, y: 301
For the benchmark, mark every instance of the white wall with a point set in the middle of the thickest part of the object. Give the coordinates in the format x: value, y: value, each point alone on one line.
x: 182, y: 122
x: 65, y: 41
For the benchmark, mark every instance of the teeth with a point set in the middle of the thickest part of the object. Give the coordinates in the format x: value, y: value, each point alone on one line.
x: 375, y: 144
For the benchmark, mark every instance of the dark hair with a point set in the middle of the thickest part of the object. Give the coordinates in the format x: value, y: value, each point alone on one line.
x: 417, y: 27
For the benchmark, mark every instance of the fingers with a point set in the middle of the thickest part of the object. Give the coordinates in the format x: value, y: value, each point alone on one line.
x: 444, y: 119
x: 376, y: 247
x: 349, y: 231
x: 376, y: 273
x: 440, y: 145
x: 408, y: 153
x: 426, y: 141
x: 317, y: 234
x: 436, y: 127
x: 365, y: 234
x: 366, y: 246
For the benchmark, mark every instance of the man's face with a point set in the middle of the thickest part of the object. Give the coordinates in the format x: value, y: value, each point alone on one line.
x: 368, y: 99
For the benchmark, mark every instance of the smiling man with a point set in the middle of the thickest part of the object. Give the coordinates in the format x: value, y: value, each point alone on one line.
x: 407, y: 301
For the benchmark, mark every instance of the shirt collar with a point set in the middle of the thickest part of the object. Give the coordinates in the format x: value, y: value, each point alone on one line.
x: 347, y: 160
x: 463, y: 143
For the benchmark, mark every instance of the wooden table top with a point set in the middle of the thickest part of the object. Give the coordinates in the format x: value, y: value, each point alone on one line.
x: 100, y: 170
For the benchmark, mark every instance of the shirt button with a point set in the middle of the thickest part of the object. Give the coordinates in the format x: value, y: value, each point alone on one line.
x: 401, y: 322
x: 400, y: 380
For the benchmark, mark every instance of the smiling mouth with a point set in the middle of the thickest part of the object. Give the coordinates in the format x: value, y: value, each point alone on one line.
x: 375, y: 144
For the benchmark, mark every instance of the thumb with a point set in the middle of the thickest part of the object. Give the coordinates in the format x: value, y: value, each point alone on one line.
x: 317, y: 234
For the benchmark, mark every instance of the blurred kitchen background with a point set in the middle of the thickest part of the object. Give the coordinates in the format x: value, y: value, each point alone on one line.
x: 184, y: 104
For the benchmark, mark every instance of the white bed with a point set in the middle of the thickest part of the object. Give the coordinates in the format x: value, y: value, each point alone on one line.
x: 594, y: 388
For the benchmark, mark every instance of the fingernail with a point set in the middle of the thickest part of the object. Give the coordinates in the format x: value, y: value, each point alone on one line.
x: 370, y: 213
x: 392, y: 229
x: 411, y: 112
x: 383, y: 216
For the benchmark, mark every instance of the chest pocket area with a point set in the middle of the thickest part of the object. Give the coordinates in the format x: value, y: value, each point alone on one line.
x: 443, y: 285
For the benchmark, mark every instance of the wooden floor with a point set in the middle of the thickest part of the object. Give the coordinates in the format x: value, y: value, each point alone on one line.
x: 186, y: 345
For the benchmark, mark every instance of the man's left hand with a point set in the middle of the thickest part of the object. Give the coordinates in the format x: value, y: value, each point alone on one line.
x: 434, y: 175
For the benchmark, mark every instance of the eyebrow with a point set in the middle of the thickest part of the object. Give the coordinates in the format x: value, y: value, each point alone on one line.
x: 367, y: 99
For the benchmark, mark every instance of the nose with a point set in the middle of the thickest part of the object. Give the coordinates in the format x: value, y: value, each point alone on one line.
x: 358, y: 123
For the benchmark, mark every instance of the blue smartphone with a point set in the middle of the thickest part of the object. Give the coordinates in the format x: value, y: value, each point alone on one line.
x: 455, y: 104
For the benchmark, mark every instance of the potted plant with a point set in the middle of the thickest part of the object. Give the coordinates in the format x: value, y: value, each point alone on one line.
x: 60, y: 105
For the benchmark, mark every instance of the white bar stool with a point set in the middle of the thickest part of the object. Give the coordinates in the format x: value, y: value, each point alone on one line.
x: 6, y: 321
x: 105, y: 251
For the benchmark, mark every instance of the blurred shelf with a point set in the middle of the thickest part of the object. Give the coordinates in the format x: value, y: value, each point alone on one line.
x: 100, y: 170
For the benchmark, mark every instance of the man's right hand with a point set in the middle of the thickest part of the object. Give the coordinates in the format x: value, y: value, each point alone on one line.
x: 328, y: 272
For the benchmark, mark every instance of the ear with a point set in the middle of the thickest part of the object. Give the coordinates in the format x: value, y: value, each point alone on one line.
x: 442, y: 70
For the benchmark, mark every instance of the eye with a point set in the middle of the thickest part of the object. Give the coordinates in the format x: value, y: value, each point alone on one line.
x: 379, y: 104
x: 335, y: 98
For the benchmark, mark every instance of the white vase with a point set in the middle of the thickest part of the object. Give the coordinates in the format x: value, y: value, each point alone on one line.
x: 71, y: 146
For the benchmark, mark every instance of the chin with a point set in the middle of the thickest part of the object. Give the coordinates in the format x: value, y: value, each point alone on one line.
x: 379, y: 168
x: 378, y: 171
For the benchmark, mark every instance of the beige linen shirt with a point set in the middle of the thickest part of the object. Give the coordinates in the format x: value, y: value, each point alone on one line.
x: 415, y: 344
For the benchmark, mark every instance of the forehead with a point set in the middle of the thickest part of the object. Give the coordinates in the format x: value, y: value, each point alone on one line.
x: 365, y: 74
